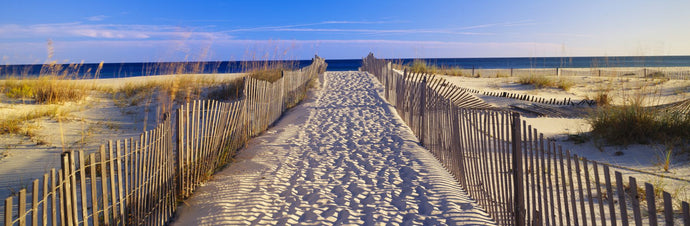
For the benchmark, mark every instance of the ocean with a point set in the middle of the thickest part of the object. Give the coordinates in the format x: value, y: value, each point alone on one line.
x: 117, y: 70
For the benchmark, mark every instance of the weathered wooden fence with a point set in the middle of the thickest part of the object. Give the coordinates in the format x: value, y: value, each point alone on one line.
x: 595, y: 71
x: 515, y: 174
x: 531, y: 98
x: 129, y: 181
x: 140, y: 180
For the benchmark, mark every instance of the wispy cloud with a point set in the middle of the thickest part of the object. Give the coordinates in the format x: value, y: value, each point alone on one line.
x: 385, y: 31
x: 314, y: 27
x: 278, y: 27
x: 105, y: 31
x: 96, y: 18
x: 572, y: 35
x: 504, y: 24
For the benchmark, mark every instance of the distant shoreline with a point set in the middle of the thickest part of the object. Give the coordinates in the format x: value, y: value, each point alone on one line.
x: 119, y: 70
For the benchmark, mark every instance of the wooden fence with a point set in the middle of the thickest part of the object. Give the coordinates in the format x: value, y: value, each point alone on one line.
x: 511, y: 170
x: 536, y: 99
x: 603, y: 71
x: 140, y: 180
x: 129, y: 181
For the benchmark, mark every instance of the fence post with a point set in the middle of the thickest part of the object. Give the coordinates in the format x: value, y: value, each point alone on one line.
x: 518, y: 196
x: 180, y: 150
x: 422, y: 107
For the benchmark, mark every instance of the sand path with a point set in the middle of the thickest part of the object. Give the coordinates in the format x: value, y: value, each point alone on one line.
x: 341, y: 157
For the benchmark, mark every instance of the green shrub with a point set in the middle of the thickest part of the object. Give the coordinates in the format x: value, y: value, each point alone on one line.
x: 420, y: 66
x: 536, y: 80
x: 565, y: 84
x: 629, y: 124
x: 20, y: 91
x: 540, y: 81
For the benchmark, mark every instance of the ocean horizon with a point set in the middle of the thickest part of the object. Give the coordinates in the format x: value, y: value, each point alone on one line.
x: 132, y: 69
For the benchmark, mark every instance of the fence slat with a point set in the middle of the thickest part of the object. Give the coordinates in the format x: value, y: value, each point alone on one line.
x: 46, y: 179
x: 597, y: 184
x: 609, y: 191
x: 94, y: 192
x: 651, y: 204
x: 118, y: 163
x: 53, y: 203
x: 589, y: 193
x: 34, y: 203
x: 686, y: 213
x: 21, y: 209
x: 557, y: 188
x: 8, y: 210
x: 104, y: 185
x: 67, y: 189
x: 73, y: 184
x: 60, y: 190
x: 668, y: 208
x: 579, y: 190
x: 565, y: 186
x: 635, y: 200
x: 621, y: 198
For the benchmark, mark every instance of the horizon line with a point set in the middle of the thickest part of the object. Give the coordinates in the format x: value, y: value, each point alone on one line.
x: 385, y: 58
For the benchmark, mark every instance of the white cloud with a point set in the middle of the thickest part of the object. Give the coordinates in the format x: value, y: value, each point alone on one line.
x: 96, y: 18
x: 385, y: 31
x: 105, y: 31
x: 278, y: 27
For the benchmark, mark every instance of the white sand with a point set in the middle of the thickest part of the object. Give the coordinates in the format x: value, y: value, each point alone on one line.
x: 646, y: 158
x: 87, y: 125
x: 344, y: 156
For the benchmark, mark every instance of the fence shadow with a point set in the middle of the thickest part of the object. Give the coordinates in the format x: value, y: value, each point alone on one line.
x: 141, y: 180
x: 508, y: 167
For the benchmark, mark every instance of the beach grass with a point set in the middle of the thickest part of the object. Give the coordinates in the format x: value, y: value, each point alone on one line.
x: 14, y: 125
x: 635, y: 124
x: 45, y: 89
x: 268, y: 70
x: 421, y: 66
x: 541, y: 81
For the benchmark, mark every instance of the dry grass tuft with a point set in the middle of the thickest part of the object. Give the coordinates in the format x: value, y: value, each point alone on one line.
x: 16, y: 124
x: 421, y: 66
x: 45, y: 89
x: 633, y: 123
x: 540, y: 81
x: 226, y: 91
x: 536, y: 80
x: 267, y: 70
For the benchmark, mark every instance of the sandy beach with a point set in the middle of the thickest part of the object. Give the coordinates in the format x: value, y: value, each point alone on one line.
x: 342, y: 157
x: 623, y: 89
x: 260, y: 170
x: 84, y: 125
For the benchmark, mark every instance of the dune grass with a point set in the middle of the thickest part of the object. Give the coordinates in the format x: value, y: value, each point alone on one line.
x: 15, y: 124
x: 635, y: 124
x: 44, y: 89
x: 268, y: 70
x: 540, y: 82
x: 421, y: 66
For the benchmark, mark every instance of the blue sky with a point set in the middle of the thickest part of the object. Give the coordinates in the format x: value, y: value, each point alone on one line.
x: 153, y: 31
